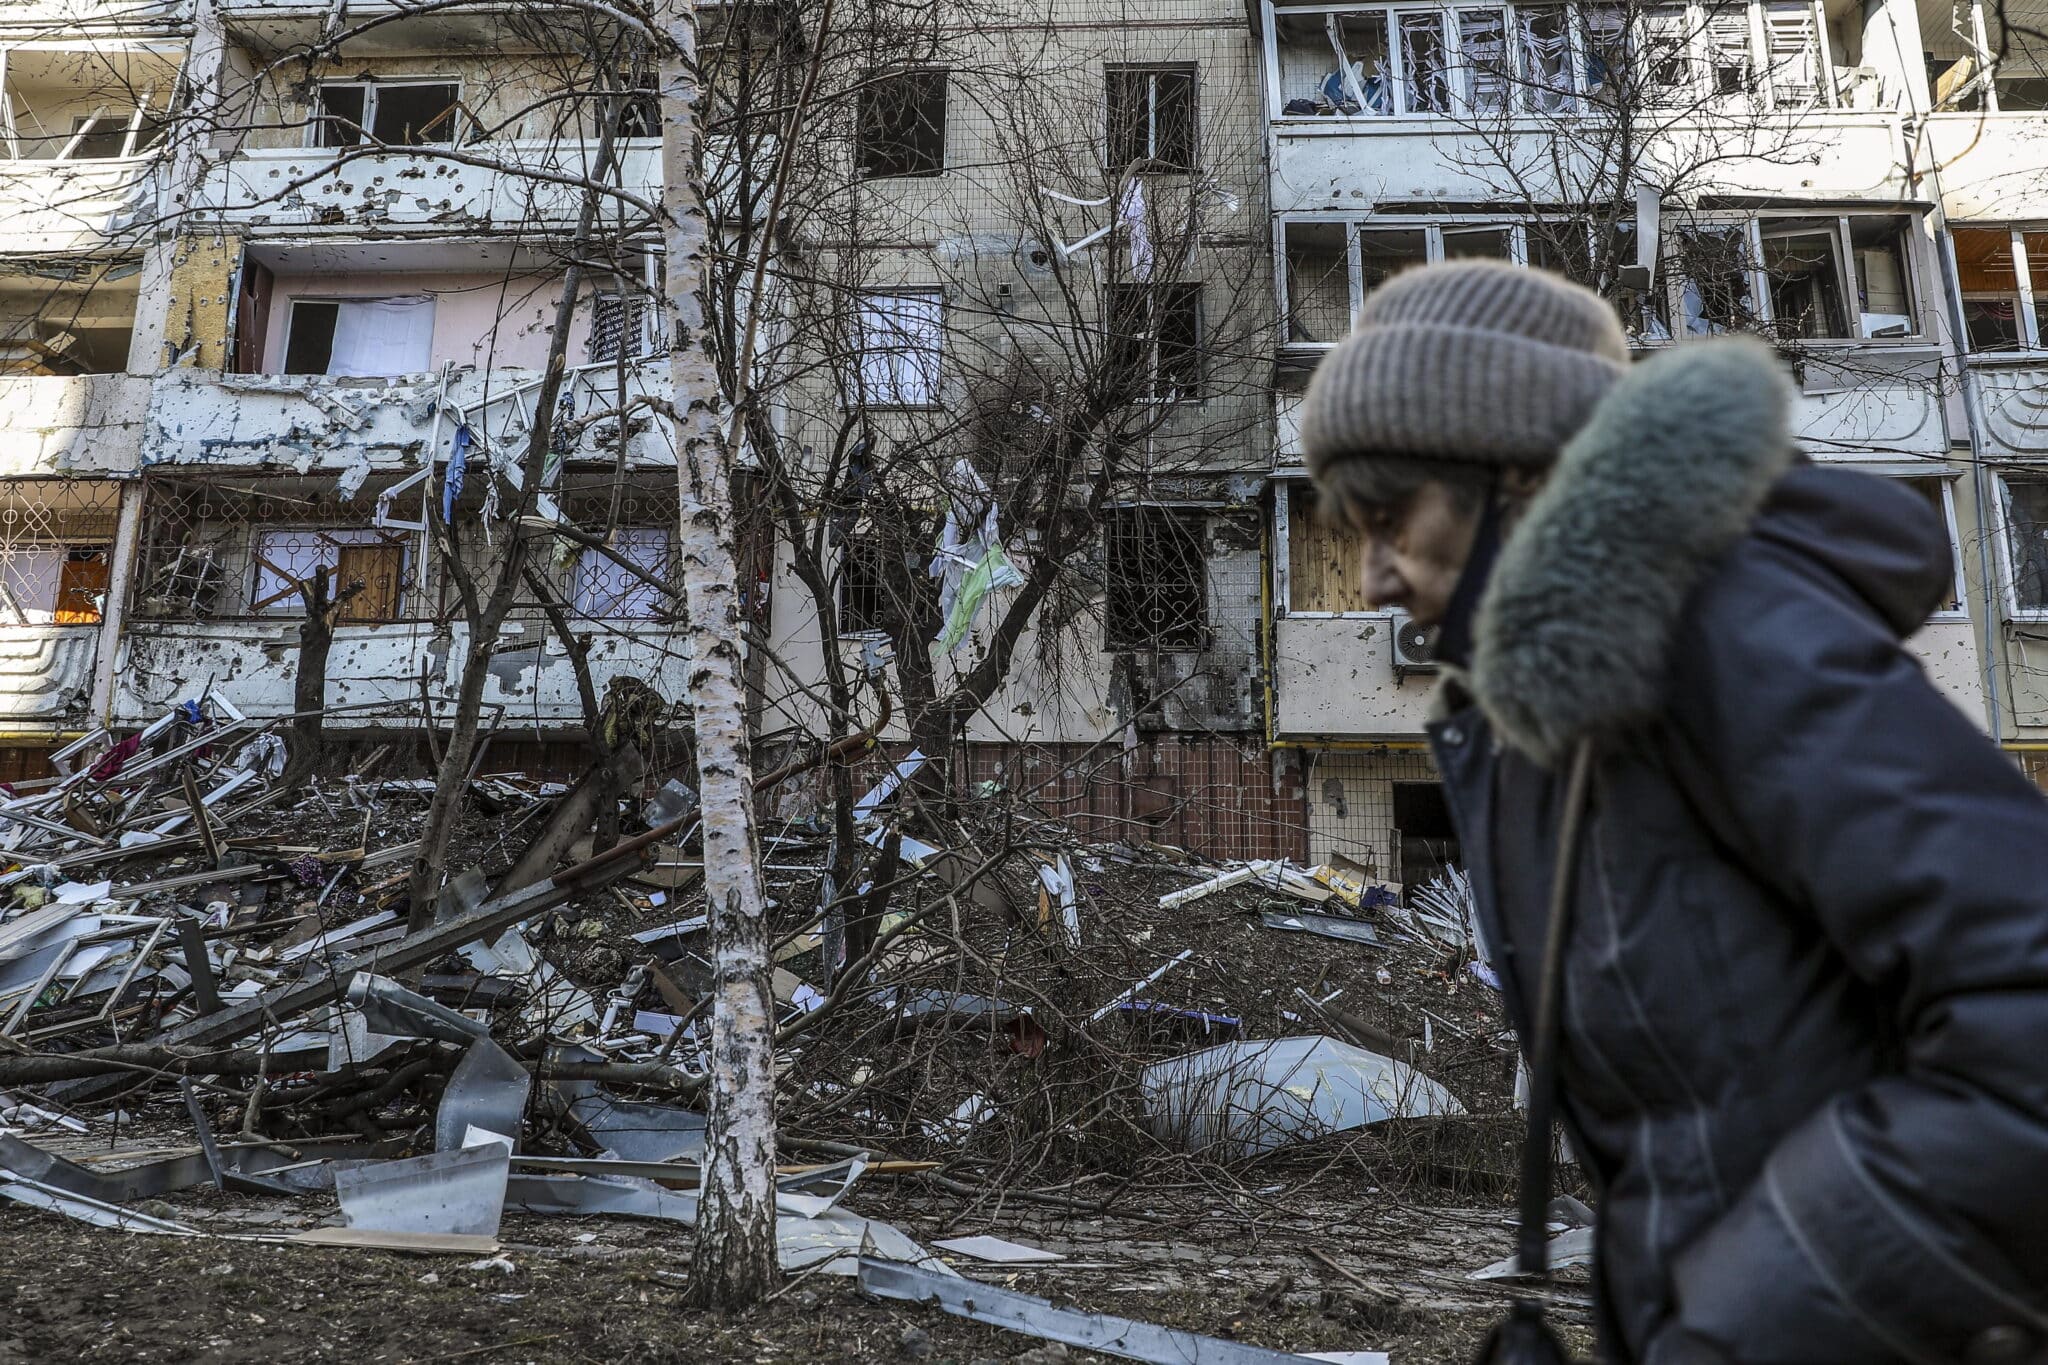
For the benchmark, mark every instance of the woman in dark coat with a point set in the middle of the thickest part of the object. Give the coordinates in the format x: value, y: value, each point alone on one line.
x: 1805, y: 992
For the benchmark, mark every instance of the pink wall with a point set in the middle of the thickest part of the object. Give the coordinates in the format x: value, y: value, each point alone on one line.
x: 481, y: 320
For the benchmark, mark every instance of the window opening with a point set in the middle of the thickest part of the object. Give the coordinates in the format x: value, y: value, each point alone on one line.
x: 1157, y: 580
x: 903, y: 124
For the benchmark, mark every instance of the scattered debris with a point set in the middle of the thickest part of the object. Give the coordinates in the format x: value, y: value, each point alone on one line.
x: 1039, y: 1318
x: 1253, y: 1097
x: 997, y: 1251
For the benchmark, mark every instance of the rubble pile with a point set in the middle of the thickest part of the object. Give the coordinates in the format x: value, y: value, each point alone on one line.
x: 197, y: 963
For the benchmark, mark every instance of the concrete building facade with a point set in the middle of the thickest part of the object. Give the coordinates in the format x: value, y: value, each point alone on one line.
x: 268, y: 269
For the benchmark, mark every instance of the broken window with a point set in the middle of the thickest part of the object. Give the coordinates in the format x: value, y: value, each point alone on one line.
x: 364, y: 562
x: 1991, y: 264
x: 1792, y: 54
x: 375, y: 338
x: 102, y: 136
x: 1545, y: 40
x: 62, y: 316
x: 1714, y: 272
x: 1157, y: 580
x: 1729, y: 60
x: 1156, y: 340
x: 1426, y: 62
x: 1152, y: 118
x: 607, y: 590
x: 2025, y: 500
x: 1483, y: 43
x: 618, y: 326
x: 903, y: 124
x: 1884, y: 292
x: 899, y: 346
x: 1935, y: 489
x: 395, y: 113
x: 1325, y: 556
x: 1318, y: 282
x: 1802, y: 263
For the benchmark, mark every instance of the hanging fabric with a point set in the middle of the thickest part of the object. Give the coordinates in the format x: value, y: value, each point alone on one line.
x: 381, y: 338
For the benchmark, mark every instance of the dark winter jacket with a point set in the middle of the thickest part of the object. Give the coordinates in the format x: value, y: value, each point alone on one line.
x: 1806, y: 992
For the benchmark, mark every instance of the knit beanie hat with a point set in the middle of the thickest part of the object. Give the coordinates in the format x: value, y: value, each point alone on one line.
x: 1476, y: 362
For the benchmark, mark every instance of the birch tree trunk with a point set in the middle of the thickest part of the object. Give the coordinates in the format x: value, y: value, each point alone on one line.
x: 735, y: 1261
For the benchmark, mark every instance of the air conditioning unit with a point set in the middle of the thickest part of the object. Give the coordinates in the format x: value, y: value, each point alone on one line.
x: 1414, y: 647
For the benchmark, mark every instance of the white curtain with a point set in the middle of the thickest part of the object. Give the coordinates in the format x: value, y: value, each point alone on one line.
x: 379, y: 338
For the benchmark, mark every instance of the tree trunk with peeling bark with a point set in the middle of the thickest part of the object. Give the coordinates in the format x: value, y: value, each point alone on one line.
x: 735, y: 1262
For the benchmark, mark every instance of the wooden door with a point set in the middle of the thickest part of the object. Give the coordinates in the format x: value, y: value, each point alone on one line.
x: 380, y: 569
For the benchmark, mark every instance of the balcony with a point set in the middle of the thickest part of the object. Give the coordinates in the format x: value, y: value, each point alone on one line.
x: 428, y: 189
x: 64, y: 424
x: 380, y: 426
x: 376, y: 668
x: 1420, y: 103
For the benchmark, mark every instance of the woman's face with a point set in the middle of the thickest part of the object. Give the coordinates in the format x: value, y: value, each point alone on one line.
x: 1415, y: 551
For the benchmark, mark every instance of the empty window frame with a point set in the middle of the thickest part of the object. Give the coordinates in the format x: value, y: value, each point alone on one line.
x: 902, y: 124
x: 2003, y: 66
x: 367, y: 564
x: 2023, y: 503
x: 1834, y: 277
x: 899, y: 342
x: 365, y: 338
x: 1938, y: 490
x: 1332, y: 267
x: 619, y: 327
x: 2003, y: 273
x: 1547, y: 58
x: 607, y: 590
x: 1155, y: 340
x: 1157, y: 578
x: 395, y: 113
x: 104, y: 135
x: 1151, y: 118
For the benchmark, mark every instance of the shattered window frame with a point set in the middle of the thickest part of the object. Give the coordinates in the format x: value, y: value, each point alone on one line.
x: 1939, y: 491
x: 323, y: 130
x: 1155, y: 579
x: 1141, y: 129
x: 273, y: 592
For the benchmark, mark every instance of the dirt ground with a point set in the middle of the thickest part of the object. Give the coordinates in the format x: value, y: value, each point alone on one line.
x: 611, y: 1290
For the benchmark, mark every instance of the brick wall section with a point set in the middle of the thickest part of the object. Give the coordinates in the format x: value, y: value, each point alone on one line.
x: 1215, y: 796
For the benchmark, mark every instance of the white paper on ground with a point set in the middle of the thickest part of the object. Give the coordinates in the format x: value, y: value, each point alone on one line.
x: 998, y: 1251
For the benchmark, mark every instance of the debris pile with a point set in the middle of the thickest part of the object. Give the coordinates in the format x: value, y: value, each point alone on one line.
x: 195, y: 958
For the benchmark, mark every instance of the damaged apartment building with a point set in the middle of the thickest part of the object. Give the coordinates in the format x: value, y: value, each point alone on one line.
x: 281, y: 285
x: 1864, y: 184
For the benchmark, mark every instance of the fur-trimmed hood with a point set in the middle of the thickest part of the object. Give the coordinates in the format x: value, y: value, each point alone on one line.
x: 1685, y: 456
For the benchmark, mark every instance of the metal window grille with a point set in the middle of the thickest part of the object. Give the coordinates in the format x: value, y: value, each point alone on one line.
x: 56, y: 538
x: 1158, y: 580
x: 238, y: 547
